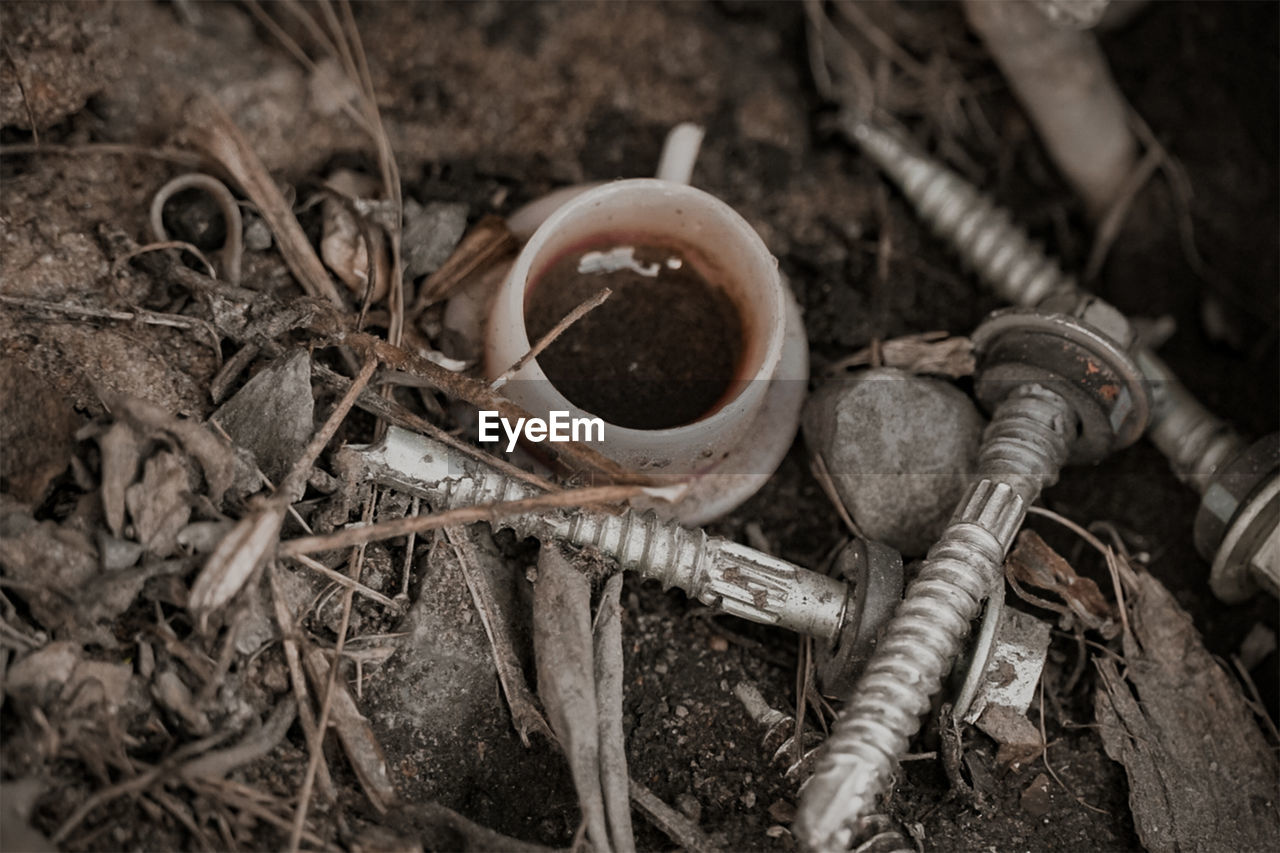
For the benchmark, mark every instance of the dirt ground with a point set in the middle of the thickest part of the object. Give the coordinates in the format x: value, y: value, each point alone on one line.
x: 493, y: 104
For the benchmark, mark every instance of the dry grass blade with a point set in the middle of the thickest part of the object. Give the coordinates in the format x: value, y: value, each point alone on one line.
x: 211, y: 131
x: 358, y: 741
x: 331, y: 687
x: 614, y: 779
x: 566, y: 678
x: 525, y: 715
x: 298, y: 679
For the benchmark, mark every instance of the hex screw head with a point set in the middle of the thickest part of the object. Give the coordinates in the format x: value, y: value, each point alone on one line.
x: 1038, y: 371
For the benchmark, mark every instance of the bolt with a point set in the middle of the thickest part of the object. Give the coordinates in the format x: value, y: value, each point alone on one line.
x: 1200, y: 446
x: 731, y: 577
x: 1058, y: 387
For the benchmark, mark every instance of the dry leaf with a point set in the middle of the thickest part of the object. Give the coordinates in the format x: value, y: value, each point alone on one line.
x: 158, y: 504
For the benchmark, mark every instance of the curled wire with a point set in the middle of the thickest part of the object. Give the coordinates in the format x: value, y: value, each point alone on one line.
x: 229, y: 256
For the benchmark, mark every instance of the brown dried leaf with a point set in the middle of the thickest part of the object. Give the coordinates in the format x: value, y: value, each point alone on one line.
x: 1201, y: 773
x: 234, y: 561
x: 216, y: 458
x: 158, y: 503
x: 48, y: 565
x: 1034, y: 563
x: 120, y: 457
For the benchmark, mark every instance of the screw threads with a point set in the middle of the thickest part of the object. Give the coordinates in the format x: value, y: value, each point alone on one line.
x: 982, y: 233
x: 734, y: 578
x: 1196, y: 442
x: 1023, y: 449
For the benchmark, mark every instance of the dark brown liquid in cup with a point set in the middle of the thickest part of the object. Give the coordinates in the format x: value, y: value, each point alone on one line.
x: 662, y: 351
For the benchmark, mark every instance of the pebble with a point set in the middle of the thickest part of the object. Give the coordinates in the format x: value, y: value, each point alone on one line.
x: 431, y: 233
x: 899, y: 448
x: 682, y: 711
x: 688, y: 805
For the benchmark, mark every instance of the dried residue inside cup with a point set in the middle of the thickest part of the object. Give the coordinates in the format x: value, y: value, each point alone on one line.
x: 664, y: 350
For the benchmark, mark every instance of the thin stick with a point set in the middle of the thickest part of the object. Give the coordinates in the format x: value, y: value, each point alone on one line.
x: 355, y: 564
x: 345, y: 582
x: 169, y: 155
x: 151, y: 318
x: 22, y: 90
x: 549, y: 338
x: 408, y: 549
x: 364, y: 534
x: 297, y: 678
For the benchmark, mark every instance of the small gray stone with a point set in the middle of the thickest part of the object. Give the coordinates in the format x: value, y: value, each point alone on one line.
x: 899, y: 448
x: 271, y: 416
x: 431, y: 233
x: 257, y: 235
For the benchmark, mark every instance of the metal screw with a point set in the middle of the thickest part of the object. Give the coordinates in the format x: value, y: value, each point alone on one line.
x: 1200, y: 446
x: 1059, y: 388
x: 726, y: 575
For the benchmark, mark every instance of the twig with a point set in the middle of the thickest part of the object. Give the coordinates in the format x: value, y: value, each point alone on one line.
x: 524, y: 709
x: 355, y: 564
x: 298, y: 679
x: 587, y: 306
x: 152, y: 318
x: 22, y: 90
x: 677, y: 827
x: 346, y: 582
x: 465, y: 515
x: 187, y: 159
x: 395, y: 413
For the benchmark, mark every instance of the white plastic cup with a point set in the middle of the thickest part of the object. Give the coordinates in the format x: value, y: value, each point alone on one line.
x: 736, y: 259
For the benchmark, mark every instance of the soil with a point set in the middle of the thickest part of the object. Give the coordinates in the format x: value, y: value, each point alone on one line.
x: 660, y: 352
x: 493, y: 104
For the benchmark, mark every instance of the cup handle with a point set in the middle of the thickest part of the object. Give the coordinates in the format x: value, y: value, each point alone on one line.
x: 679, y: 153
